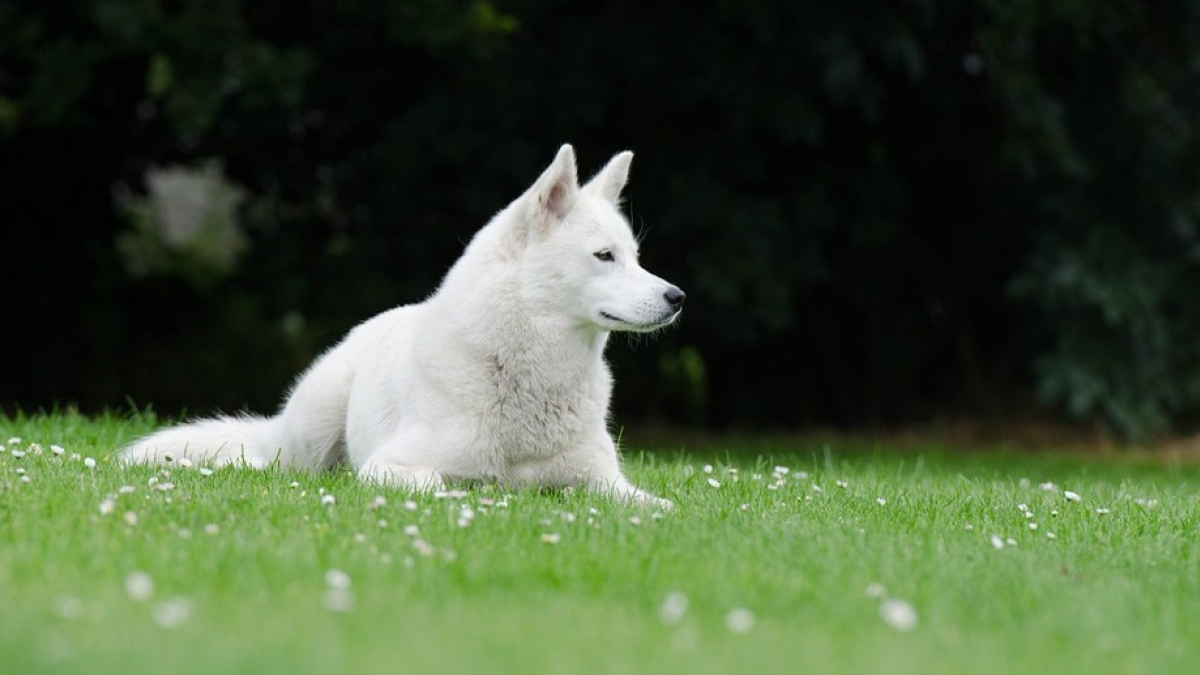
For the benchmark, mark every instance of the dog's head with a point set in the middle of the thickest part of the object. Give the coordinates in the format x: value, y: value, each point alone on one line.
x: 580, y: 258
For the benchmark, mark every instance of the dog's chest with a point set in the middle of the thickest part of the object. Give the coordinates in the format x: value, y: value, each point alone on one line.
x: 540, y: 412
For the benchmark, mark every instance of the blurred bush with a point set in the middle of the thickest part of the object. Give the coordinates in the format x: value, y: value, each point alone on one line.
x: 880, y: 211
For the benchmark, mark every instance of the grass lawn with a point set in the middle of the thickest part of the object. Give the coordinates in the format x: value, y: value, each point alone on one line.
x: 842, y: 560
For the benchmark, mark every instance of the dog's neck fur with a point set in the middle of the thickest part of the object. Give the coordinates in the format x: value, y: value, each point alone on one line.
x: 527, y: 363
x: 542, y: 381
x: 549, y: 348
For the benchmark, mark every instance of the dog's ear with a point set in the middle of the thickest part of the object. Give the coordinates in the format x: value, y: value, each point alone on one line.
x: 609, y: 182
x: 555, y: 191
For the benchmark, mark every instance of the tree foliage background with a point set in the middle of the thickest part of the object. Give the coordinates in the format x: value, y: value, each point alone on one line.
x: 880, y: 211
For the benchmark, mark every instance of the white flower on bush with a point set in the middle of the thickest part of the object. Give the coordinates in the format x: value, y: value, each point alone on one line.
x: 186, y: 221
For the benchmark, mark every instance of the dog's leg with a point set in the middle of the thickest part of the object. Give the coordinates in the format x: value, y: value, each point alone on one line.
x: 621, y: 488
x: 401, y: 458
x: 313, y: 420
x: 414, y: 478
x: 604, y: 475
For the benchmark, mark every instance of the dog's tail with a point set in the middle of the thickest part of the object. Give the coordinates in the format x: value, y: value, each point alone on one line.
x: 246, y: 440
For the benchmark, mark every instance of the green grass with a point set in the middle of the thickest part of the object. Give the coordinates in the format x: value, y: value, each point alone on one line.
x: 240, y: 563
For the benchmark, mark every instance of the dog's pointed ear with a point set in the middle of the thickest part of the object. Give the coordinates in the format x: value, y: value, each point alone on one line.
x: 555, y: 191
x: 610, y: 181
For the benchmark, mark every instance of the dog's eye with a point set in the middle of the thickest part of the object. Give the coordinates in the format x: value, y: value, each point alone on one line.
x: 604, y: 256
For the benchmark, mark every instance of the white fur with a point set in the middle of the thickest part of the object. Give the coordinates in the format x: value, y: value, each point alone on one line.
x: 498, y: 376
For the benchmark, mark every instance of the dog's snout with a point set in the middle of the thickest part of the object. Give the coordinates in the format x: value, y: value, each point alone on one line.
x: 675, y: 297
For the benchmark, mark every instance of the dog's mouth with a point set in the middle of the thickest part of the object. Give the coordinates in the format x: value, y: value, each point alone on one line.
x: 634, y: 326
x: 612, y: 317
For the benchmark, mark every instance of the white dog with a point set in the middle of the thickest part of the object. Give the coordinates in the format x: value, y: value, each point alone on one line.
x: 499, y: 376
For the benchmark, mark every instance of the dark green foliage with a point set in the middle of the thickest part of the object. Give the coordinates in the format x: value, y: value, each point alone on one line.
x: 880, y: 211
x: 1112, y: 190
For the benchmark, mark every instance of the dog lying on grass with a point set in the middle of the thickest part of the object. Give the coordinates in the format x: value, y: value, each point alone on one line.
x: 499, y: 376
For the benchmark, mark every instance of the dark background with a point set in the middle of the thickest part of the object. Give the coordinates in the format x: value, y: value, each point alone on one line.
x: 883, y: 212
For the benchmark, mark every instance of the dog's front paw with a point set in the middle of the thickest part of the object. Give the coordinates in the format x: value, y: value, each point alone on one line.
x: 416, y: 478
x: 649, y: 501
x: 624, y: 490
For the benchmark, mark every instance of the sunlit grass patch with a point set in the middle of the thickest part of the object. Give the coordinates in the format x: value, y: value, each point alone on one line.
x: 804, y: 558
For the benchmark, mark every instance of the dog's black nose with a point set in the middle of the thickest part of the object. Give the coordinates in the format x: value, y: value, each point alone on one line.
x: 675, y: 297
